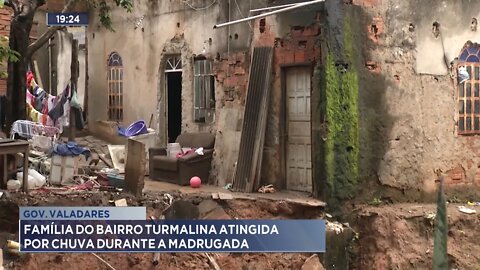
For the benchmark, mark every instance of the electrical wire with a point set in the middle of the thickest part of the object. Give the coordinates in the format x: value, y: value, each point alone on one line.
x: 202, y: 8
x: 241, y: 14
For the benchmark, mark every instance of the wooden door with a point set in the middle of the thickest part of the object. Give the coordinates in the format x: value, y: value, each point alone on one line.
x: 299, y: 144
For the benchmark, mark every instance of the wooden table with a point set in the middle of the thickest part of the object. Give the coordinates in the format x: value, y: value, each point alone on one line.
x: 14, y: 148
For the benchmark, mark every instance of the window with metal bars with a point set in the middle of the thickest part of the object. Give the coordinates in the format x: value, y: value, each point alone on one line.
x: 204, y: 91
x: 115, y: 87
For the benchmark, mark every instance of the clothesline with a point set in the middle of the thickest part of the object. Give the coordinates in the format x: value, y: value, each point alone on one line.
x: 50, y: 110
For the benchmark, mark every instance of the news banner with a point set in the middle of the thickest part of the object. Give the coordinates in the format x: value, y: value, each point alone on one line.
x: 126, y: 229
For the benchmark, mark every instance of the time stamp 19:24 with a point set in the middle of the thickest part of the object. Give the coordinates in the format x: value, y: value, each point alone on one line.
x: 67, y: 19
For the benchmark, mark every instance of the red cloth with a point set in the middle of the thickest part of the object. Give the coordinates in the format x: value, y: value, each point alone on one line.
x: 29, y: 79
x: 179, y: 155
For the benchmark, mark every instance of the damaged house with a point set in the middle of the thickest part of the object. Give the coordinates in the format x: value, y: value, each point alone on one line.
x: 344, y: 94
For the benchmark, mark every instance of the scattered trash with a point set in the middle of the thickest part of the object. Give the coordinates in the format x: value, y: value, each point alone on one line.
x: 13, y: 247
x: 35, y: 179
x: 121, y: 202
x: 430, y: 215
x: 228, y: 186
x: 466, y: 210
x: 212, y: 261
x: 102, y: 260
x: 168, y: 198
x: 267, y: 189
x: 14, y: 184
x: 313, y: 263
x: 473, y: 203
x: 116, y: 180
x: 328, y: 215
x: 334, y: 226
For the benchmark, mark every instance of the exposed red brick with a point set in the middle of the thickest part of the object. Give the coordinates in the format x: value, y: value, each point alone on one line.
x: 299, y: 56
x: 455, y: 176
x: 239, y: 71
x: 289, y: 57
x: 365, y: 3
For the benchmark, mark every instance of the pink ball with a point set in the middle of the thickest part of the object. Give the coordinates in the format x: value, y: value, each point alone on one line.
x: 195, y: 182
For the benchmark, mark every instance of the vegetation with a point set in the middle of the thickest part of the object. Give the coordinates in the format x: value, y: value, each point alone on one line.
x: 341, y: 148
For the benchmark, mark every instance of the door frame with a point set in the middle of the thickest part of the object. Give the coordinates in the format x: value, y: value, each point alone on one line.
x: 165, y: 73
x: 163, y: 96
x: 283, y: 120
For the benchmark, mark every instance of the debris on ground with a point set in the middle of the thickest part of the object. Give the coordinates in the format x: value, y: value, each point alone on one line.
x: 334, y: 226
x: 121, y: 202
x: 313, y: 263
x: 466, y: 210
x: 267, y: 189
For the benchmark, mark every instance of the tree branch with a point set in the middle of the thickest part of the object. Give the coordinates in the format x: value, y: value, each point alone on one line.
x: 49, y: 33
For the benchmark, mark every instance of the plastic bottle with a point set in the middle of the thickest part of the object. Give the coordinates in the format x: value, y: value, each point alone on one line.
x: 40, y: 178
x: 14, y: 184
x: 32, y: 182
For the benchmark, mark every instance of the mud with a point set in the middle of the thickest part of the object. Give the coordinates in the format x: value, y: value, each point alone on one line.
x: 155, y: 205
x: 400, y: 236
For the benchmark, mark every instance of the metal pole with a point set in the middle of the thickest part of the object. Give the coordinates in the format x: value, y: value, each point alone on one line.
x: 272, y: 7
x: 268, y: 13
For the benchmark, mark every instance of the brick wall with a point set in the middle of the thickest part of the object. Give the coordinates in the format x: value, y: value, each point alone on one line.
x: 231, y: 70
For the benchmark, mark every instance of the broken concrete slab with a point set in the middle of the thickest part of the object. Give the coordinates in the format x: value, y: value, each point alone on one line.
x: 181, y: 210
x: 117, y: 154
x: 313, y: 263
x: 217, y: 213
x: 225, y: 196
x: 207, y: 206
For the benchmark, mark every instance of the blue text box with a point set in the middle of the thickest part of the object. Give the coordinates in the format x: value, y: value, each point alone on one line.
x: 305, y: 236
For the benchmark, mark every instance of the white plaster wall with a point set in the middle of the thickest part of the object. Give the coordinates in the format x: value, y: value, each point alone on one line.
x: 454, y: 18
x: 64, y: 59
x: 141, y: 52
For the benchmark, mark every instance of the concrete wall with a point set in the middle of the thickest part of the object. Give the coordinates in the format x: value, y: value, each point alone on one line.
x: 175, y: 28
x: 407, y: 103
x: 407, y: 118
x: 171, y: 28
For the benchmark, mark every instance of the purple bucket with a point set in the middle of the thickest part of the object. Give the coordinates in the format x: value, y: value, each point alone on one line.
x: 137, y: 128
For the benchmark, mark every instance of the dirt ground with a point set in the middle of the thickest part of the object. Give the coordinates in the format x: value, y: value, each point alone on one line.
x: 394, y: 236
x: 236, y: 209
x: 400, y: 236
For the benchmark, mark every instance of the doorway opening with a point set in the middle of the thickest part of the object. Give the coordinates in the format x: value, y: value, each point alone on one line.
x: 173, y: 92
x: 174, y: 104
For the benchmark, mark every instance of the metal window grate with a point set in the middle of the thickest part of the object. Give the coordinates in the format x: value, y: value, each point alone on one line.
x: 204, y: 91
x: 115, y: 88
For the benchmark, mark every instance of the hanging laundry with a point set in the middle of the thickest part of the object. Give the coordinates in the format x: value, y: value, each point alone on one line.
x: 29, y: 77
x: 39, y: 95
x: 58, y: 110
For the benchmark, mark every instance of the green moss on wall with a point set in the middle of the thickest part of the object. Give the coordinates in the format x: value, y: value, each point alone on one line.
x: 340, y: 107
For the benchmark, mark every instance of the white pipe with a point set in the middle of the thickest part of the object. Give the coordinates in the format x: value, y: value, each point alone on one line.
x: 272, y: 7
x: 268, y: 13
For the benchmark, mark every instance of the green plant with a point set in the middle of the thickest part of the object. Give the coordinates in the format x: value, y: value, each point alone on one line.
x: 440, y: 255
x: 340, y: 107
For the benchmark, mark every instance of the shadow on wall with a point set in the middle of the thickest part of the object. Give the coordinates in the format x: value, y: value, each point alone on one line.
x: 354, y: 106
